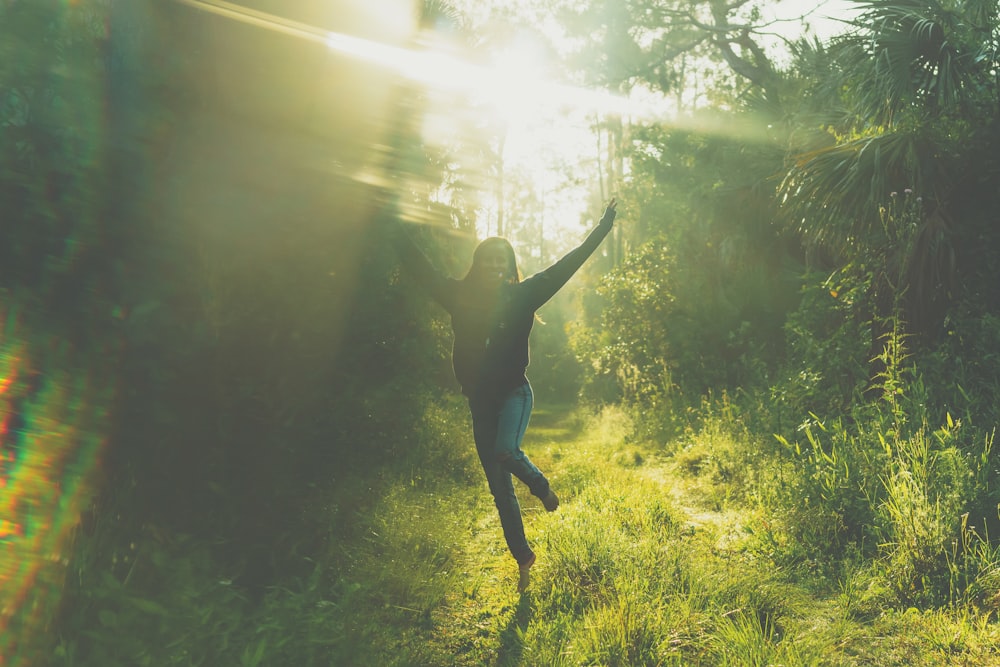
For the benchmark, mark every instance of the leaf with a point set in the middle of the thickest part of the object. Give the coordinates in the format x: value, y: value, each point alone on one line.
x: 149, y: 606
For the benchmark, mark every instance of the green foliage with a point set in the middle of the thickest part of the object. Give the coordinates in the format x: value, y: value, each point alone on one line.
x: 665, y: 330
x: 628, y: 349
x: 699, y: 301
x: 60, y: 342
x: 915, y: 113
x: 967, y: 360
x: 291, y: 489
x: 629, y: 573
x: 885, y: 484
x: 143, y: 594
x: 55, y: 164
x: 825, y: 367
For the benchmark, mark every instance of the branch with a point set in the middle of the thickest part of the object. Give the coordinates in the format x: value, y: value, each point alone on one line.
x: 758, y: 70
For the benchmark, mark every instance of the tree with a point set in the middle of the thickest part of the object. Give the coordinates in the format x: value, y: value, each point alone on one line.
x: 911, y: 105
x: 58, y: 296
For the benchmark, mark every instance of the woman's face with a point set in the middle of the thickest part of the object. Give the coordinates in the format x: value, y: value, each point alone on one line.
x: 494, y: 264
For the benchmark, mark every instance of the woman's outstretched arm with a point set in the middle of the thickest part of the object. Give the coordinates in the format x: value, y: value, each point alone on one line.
x: 543, y: 286
x: 440, y: 287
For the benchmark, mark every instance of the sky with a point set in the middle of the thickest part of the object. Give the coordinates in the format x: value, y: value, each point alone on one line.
x: 548, y: 122
x: 538, y: 143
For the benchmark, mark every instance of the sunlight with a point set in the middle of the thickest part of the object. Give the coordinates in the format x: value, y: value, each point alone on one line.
x: 508, y: 85
x: 544, y: 122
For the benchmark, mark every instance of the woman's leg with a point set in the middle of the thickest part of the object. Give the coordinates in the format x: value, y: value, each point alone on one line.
x: 498, y: 441
x: 511, y: 426
x: 484, y: 428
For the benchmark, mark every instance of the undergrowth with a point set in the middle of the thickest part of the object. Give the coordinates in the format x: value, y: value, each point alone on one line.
x: 661, y: 554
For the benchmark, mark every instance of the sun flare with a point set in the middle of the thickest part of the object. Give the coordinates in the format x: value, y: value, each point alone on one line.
x: 510, y: 83
x: 504, y: 88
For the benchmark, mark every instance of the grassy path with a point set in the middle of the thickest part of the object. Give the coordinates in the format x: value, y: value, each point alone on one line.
x: 646, y: 562
x: 641, y: 503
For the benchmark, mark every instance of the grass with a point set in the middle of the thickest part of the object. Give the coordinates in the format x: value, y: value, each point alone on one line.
x: 652, y: 559
x: 658, y: 555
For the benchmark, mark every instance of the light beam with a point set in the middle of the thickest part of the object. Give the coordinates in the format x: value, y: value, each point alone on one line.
x: 497, y: 86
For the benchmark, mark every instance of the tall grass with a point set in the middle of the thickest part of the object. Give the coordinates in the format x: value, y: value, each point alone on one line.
x: 624, y: 578
x: 645, y: 563
x: 890, y: 486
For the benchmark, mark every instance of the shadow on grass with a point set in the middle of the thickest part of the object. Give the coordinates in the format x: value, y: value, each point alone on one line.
x: 511, y: 646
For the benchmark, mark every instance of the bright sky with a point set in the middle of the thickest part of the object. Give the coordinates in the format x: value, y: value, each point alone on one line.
x: 539, y: 140
x: 824, y: 18
x: 548, y: 122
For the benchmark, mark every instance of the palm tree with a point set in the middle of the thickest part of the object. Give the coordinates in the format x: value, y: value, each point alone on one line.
x: 911, y: 103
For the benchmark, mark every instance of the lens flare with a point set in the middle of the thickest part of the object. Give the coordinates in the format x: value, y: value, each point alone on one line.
x: 50, y: 443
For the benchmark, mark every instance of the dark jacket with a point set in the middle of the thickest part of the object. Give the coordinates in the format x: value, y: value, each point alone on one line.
x: 490, y: 353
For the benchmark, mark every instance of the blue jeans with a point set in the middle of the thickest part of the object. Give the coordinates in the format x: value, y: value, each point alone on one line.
x: 498, y: 430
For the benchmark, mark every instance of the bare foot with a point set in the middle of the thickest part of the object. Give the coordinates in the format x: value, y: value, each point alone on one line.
x: 523, y: 574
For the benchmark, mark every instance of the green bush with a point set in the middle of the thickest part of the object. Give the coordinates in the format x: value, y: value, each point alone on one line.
x: 826, y: 357
x: 888, y: 485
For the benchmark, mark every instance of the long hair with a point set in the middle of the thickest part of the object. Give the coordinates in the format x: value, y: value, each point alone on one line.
x: 487, y: 244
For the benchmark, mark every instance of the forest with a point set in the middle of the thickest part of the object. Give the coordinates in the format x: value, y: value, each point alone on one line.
x: 230, y: 433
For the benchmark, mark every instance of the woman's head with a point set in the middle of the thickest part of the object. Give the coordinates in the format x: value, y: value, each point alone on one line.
x: 493, y: 262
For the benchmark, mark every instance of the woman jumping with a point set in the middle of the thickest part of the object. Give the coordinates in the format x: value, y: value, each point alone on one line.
x: 492, y: 311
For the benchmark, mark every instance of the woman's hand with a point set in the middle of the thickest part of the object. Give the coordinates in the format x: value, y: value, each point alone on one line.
x: 610, y: 212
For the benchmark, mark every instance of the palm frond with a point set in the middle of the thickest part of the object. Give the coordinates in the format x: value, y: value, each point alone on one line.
x: 916, y: 54
x: 833, y: 194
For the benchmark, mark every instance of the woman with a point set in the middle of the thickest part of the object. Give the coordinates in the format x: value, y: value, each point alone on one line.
x: 492, y: 311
